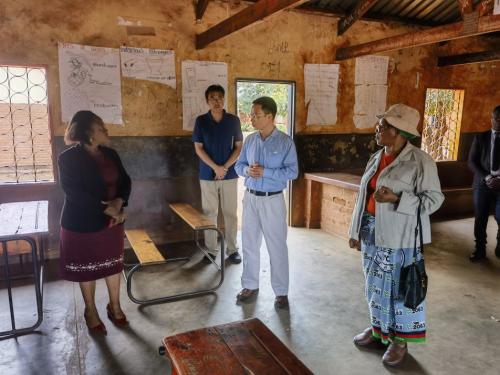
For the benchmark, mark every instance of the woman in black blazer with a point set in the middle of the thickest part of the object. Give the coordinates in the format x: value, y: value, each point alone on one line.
x: 96, y: 188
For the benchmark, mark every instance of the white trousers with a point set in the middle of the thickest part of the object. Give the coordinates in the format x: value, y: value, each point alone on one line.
x: 264, y: 216
x: 225, y: 191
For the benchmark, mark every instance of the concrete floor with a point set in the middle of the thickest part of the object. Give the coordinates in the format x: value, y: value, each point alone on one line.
x: 327, y: 310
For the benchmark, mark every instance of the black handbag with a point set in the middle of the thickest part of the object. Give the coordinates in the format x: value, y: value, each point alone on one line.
x: 413, y: 278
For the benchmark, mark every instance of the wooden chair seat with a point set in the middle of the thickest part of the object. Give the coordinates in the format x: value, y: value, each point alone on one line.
x: 192, y: 216
x: 143, y: 247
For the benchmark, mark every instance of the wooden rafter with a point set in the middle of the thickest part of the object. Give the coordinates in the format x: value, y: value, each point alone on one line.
x: 201, y: 7
x: 485, y: 7
x: 359, y: 10
x: 249, y: 15
x: 469, y: 58
x: 465, y: 6
x: 484, y: 25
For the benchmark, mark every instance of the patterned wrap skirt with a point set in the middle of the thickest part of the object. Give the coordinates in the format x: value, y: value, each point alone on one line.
x: 92, y: 255
x: 390, y: 319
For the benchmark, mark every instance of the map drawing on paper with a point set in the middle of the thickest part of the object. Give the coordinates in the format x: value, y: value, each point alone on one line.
x: 321, y: 86
x: 90, y: 80
x: 155, y: 65
x: 196, y: 77
x: 370, y: 90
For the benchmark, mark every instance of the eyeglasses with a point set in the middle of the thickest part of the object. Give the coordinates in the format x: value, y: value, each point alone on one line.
x: 257, y: 115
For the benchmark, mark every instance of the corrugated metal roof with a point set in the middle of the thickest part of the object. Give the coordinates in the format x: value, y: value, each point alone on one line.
x: 428, y: 12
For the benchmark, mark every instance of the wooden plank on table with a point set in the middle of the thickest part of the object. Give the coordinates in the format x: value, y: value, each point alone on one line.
x: 485, y: 25
x: 274, y: 345
x: 23, y: 218
x: 201, y: 352
x: 245, y: 347
x: 192, y: 216
x: 259, y: 350
x: 143, y: 246
x: 10, y: 217
x: 249, y: 15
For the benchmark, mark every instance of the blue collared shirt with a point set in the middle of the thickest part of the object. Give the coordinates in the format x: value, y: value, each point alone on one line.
x: 276, y: 154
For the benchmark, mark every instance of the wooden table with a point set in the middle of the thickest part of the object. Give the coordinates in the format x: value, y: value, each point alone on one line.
x: 245, y: 347
x: 24, y: 221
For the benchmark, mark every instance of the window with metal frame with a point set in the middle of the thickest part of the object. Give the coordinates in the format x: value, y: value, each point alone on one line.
x: 442, y: 120
x: 25, y: 141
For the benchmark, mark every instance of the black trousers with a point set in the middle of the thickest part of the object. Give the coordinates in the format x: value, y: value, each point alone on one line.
x: 484, y: 199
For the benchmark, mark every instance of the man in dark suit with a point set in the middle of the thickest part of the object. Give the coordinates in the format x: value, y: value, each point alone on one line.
x: 484, y: 160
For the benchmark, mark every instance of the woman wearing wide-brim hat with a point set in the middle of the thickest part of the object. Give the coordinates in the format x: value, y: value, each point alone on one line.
x: 383, y: 226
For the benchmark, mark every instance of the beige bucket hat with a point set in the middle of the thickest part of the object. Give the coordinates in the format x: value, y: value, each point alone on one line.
x: 402, y: 117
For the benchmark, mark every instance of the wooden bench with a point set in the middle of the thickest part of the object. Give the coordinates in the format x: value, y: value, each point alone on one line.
x: 148, y: 254
x: 245, y: 347
x: 200, y: 222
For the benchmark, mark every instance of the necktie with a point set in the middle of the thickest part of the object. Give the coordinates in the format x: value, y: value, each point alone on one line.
x: 495, y: 154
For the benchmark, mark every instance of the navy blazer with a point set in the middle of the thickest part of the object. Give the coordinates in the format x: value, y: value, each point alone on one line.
x: 85, y: 189
x: 479, y: 157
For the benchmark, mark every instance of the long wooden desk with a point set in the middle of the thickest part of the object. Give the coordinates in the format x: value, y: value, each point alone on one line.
x: 239, y: 348
x: 24, y: 221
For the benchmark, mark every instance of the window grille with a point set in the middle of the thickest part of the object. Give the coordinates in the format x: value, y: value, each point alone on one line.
x: 442, y: 119
x: 25, y: 147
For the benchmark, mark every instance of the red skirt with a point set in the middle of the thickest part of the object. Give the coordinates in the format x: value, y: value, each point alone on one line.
x: 91, y: 256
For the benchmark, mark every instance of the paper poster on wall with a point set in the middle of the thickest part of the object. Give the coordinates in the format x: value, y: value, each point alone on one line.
x: 370, y: 90
x: 371, y: 70
x: 196, y: 77
x: 90, y: 80
x: 321, y: 86
x: 156, y: 65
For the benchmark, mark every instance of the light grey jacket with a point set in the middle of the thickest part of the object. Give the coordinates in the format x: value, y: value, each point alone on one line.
x: 412, y: 172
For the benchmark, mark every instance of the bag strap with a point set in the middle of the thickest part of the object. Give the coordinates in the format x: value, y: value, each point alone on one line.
x: 418, y: 230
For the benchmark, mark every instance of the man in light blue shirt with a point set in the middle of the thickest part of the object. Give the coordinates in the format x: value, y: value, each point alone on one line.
x: 267, y: 161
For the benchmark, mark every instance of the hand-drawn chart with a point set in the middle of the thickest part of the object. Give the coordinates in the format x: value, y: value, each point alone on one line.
x: 90, y: 80
x: 196, y: 77
x: 321, y: 86
x: 370, y: 90
x: 155, y: 65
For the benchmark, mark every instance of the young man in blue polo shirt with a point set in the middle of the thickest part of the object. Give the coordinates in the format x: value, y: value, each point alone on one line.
x: 217, y: 141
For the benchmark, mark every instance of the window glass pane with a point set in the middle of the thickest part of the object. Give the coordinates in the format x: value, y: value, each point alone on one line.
x: 25, y: 148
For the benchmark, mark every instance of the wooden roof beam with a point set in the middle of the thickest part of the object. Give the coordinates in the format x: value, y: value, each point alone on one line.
x: 201, y: 7
x: 465, y: 6
x: 357, y: 13
x: 457, y: 30
x: 249, y: 15
x: 469, y: 58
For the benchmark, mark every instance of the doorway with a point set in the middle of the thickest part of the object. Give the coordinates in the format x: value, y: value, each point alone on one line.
x: 283, y: 92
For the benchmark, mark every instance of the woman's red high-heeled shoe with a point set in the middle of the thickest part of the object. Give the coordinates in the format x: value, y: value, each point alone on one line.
x: 117, y: 321
x: 100, y: 328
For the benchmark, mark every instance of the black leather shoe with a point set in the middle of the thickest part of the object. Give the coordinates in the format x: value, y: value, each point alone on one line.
x: 477, y: 256
x: 234, y: 258
x: 208, y: 260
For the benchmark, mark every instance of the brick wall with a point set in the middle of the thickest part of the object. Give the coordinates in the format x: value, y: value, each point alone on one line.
x: 337, y: 204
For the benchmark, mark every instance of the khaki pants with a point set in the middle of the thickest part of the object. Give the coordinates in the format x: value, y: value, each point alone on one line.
x: 225, y: 191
